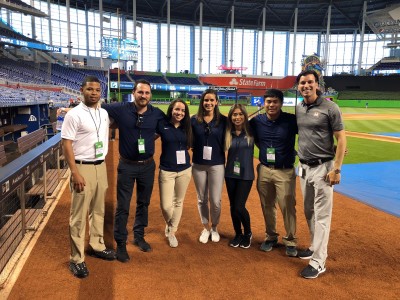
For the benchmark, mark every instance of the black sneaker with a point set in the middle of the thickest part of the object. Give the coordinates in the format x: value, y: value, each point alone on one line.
x: 310, y: 272
x: 305, y: 254
x: 236, y: 241
x: 79, y: 270
x: 122, y: 255
x: 291, y: 251
x: 246, y: 241
x: 142, y: 244
x: 106, y: 254
x: 267, y: 245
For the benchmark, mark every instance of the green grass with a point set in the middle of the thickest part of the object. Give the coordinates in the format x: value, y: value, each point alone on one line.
x: 372, y: 126
x: 360, y: 150
x: 363, y: 151
x: 250, y: 109
x: 357, y: 110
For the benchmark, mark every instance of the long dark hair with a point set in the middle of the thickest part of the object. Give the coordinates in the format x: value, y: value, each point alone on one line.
x: 229, y: 126
x: 200, y: 111
x: 185, y: 123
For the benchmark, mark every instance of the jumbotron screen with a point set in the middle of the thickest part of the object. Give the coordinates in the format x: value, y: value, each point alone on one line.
x: 122, y: 49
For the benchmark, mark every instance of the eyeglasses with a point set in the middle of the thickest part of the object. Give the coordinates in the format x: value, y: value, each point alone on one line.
x: 139, y: 121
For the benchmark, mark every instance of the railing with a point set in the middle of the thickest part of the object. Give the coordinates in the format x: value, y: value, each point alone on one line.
x: 26, y: 195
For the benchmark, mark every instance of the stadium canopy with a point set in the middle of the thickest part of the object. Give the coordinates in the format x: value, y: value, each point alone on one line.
x: 346, y: 15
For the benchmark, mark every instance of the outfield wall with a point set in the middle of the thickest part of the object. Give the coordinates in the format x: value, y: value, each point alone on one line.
x: 369, y: 103
x: 363, y: 83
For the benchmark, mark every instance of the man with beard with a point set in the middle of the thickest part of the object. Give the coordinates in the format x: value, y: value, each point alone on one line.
x: 137, y: 123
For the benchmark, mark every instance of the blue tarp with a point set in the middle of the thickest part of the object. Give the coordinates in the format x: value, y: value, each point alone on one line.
x: 375, y: 184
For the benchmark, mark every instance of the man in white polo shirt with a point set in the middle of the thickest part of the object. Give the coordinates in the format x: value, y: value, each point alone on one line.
x: 85, y: 144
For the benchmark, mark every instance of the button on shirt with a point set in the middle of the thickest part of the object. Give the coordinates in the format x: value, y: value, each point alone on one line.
x: 279, y: 134
x: 209, y: 135
x: 241, y: 152
x: 126, y: 117
x: 173, y: 139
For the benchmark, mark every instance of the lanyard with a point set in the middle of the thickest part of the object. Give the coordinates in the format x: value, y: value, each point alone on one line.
x: 208, y: 130
x: 97, y: 129
x: 238, y: 139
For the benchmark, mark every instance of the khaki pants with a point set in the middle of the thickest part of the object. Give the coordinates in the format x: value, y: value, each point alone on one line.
x: 318, y: 203
x: 278, y: 186
x: 173, y: 186
x: 89, y: 202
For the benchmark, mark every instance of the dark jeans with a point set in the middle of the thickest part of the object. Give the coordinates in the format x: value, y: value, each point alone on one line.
x: 127, y: 175
x: 238, y: 192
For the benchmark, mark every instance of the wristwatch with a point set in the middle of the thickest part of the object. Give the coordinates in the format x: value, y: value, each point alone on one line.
x: 337, y: 171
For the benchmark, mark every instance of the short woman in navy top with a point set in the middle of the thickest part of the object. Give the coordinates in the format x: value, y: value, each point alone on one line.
x: 208, y: 128
x: 175, y: 169
x: 239, y: 172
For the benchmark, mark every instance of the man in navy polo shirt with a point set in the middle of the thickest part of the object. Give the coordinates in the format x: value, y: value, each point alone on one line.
x: 274, y: 134
x: 137, y: 123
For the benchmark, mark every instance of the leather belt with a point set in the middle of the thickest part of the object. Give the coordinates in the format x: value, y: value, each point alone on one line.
x: 273, y: 167
x: 137, y: 162
x: 315, y: 162
x: 95, y: 162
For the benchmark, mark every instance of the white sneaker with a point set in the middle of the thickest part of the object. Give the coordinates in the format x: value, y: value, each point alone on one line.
x: 204, y: 236
x: 173, y: 242
x: 215, y: 235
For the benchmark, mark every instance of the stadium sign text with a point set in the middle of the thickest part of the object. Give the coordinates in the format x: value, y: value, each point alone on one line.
x: 44, y: 47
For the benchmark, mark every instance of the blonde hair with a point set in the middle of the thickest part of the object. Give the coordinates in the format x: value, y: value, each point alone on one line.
x: 229, y: 126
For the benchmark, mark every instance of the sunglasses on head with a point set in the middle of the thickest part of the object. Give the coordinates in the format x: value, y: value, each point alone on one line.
x: 139, y: 121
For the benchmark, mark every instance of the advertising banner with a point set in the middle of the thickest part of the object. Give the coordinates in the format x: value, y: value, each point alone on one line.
x: 39, y: 46
x: 386, y: 21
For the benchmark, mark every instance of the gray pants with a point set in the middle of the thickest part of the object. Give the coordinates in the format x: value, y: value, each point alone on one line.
x: 209, y: 181
x: 318, y: 202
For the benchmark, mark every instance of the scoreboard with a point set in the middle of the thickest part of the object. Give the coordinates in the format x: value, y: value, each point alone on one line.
x: 122, y: 49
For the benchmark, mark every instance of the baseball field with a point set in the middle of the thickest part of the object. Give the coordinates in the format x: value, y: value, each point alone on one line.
x: 363, y: 260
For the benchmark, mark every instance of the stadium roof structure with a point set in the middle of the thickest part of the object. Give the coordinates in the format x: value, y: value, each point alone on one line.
x: 346, y: 15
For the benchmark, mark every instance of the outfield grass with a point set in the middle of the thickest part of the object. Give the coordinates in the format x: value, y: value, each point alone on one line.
x: 364, y: 150
x: 373, y: 126
x: 290, y: 109
x: 355, y: 110
x: 360, y: 150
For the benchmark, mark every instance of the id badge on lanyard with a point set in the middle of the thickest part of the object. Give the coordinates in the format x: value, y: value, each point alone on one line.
x: 98, y: 149
x: 236, y: 168
x: 207, y: 151
x: 271, y: 155
x: 180, y: 157
x: 141, y: 147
